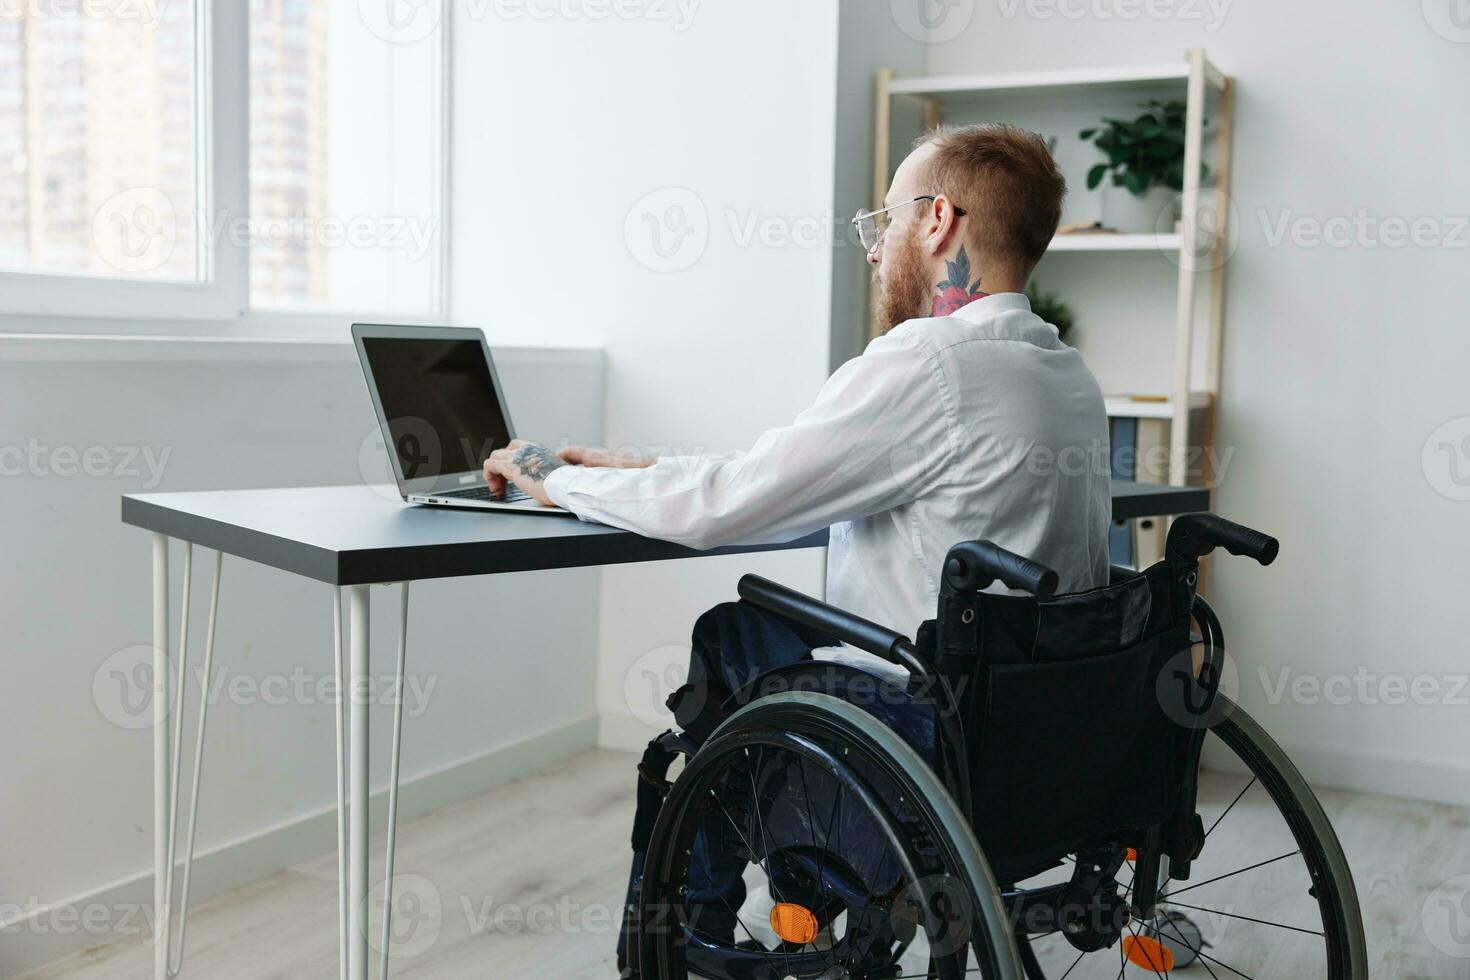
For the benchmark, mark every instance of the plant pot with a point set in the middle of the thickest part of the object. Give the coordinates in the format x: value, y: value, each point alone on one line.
x: 1153, y: 213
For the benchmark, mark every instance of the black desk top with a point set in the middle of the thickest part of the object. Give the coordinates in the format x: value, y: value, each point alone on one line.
x: 1132, y: 500
x: 356, y: 535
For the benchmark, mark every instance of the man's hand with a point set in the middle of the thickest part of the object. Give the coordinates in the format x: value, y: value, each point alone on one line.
x: 525, y: 464
x: 622, y: 459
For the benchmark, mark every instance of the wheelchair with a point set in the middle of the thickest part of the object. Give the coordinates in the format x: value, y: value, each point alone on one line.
x: 1024, y: 802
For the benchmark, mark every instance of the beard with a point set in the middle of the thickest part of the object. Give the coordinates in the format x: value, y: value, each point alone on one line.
x: 903, y: 293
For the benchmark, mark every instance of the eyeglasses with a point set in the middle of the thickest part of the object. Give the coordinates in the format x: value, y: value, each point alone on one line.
x: 871, y: 225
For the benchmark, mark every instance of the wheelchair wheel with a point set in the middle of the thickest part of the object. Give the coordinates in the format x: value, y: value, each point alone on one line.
x: 873, y: 868
x: 1279, y: 901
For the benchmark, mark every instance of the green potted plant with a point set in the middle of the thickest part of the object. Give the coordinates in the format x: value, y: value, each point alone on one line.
x: 1145, y: 158
x: 1049, y: 307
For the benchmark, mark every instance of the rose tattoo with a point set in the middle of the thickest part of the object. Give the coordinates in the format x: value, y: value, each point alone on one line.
x: 955, y: 291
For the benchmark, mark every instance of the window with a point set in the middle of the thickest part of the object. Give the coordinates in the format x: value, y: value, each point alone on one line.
x: 129, y: 188
x: 97, y: 154
x: 345, y: 160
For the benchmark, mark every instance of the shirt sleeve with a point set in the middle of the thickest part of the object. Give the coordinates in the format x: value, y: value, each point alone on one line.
x: 879, y: 435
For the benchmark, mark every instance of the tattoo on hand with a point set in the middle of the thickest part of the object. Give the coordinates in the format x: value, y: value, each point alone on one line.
x: 536, y: 462
x: 954, y: 291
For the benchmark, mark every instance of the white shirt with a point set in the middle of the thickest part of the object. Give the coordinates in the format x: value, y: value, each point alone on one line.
x: 978, y: 425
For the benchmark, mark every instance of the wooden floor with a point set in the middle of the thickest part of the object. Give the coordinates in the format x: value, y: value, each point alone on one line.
x: 526, y: 880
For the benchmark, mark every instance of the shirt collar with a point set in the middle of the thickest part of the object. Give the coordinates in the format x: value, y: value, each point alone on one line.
x: 992, y: 305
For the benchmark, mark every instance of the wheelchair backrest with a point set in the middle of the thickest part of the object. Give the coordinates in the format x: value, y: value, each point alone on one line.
x: 1068, y: 710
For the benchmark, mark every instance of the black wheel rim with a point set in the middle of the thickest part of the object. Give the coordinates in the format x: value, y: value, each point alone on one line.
x: 674, y: 947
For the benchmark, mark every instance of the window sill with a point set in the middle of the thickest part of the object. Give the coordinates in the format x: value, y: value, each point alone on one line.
x: 314, y: 347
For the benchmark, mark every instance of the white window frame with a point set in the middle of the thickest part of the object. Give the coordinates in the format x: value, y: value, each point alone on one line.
x: 219, y: 304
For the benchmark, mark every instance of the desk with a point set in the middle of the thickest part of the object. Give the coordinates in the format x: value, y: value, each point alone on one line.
x: 354, y: 537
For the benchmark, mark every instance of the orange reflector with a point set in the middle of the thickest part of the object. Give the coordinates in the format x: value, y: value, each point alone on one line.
x: 793, y: 923
x: 1148, y: 953
x: 1132, y: 854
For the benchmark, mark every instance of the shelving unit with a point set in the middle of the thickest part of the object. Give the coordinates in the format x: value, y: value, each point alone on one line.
x: 1114, y: 243
x: 1192, y: 386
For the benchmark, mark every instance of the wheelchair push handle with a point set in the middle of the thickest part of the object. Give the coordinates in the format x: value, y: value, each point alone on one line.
x: 1194, y: 535
x: 973, y: 565
x: 803, y: 609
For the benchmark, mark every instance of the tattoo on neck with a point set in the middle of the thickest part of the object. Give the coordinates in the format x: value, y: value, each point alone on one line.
x: 956, y: 291
x: 537, y: 462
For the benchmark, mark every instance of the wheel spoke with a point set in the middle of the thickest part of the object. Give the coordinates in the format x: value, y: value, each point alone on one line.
x: 868, y: 904
x: 1229, y: 808
x: 733, y: 825
x: 811, y: 822
x: 1180, y: 933
x: 1206, y: 956
x: 760, y: 825
x: 1074, y: 965
x: 1247, y: 918
x: 1210, y: 881
x: 751, y: 850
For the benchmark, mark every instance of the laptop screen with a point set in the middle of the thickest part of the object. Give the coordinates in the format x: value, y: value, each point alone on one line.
x: 442, y: 408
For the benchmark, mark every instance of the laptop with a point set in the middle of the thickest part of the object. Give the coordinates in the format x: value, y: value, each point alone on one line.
x: 442, y: 411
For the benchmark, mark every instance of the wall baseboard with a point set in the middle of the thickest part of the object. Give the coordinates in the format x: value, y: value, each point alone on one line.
x: 1410, y: 779
x: 624, y: 732
x: 32, y: 936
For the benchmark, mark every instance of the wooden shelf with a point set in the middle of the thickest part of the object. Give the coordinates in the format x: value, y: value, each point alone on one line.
x: 1205, y: 91
x: 1124, y: 407
x: 1105, y: 242
x: 1032, y: 80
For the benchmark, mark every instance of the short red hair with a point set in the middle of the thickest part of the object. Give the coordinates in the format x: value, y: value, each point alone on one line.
x: 1007, y: 181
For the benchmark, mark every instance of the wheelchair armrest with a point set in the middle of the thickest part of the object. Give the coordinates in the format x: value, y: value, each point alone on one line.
x: 851, y: 629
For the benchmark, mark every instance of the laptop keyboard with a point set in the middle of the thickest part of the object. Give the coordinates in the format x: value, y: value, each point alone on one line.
x: 513, y: 493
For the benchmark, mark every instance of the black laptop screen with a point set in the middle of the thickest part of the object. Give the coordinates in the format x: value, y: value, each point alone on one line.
x: 440, y: 403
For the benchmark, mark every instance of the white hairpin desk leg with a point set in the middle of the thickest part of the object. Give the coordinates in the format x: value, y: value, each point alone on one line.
x: 161, y: 910
x: 357, y: 782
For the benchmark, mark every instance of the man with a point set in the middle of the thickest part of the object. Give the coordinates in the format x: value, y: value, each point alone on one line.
x: 967, y: 419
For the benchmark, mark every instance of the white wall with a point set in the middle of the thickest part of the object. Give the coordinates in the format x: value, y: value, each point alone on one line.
x: 1340, y: 362
x: 76, y: 821
x: 869, y: 38
x: 572, y: 135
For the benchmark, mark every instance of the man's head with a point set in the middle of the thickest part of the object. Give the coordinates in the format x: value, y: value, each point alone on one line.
x: 989, y: 197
